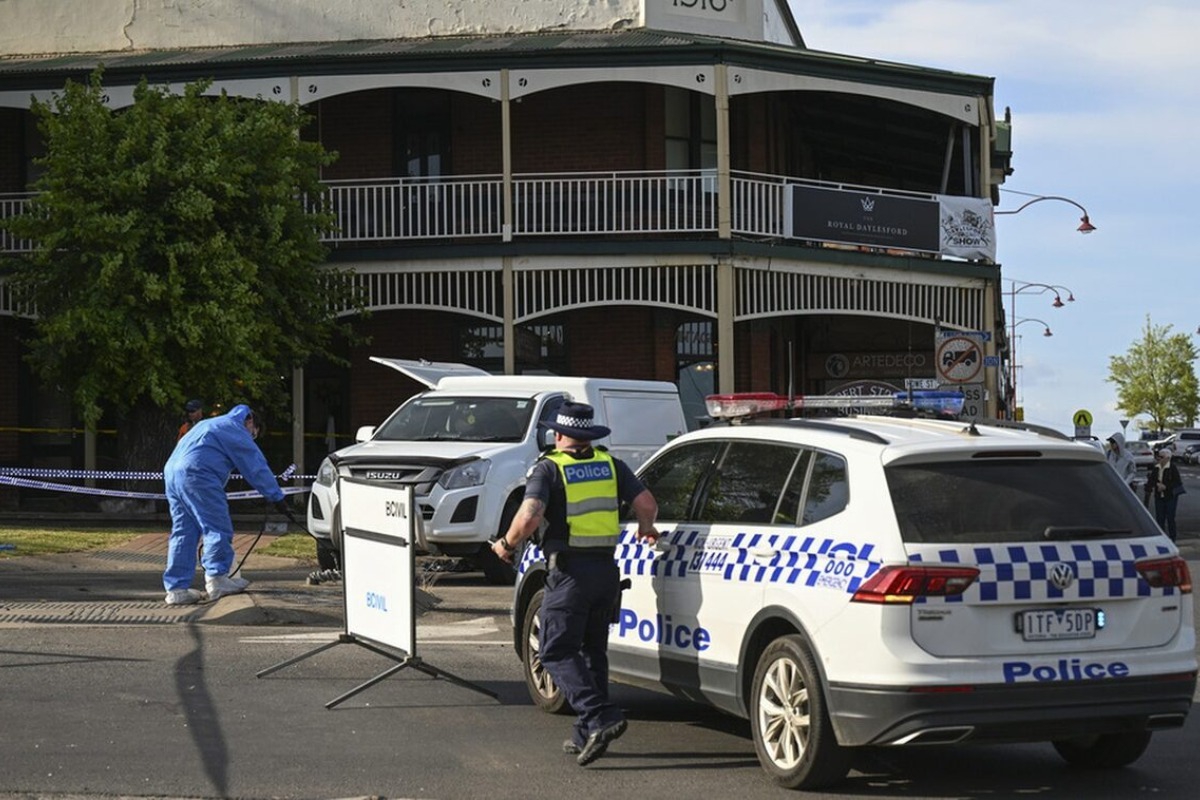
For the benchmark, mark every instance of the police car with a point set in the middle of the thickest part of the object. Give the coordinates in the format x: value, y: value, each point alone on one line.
x: 891, y: 581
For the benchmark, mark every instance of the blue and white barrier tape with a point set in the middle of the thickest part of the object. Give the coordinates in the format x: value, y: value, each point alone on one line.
x: 9, y: 476
x: 111, y: 475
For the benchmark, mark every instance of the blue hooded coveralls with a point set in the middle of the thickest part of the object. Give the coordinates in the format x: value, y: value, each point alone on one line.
x: 195, y: 476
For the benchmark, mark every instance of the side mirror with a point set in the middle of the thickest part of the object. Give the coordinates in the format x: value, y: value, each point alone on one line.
x: 364, y: 433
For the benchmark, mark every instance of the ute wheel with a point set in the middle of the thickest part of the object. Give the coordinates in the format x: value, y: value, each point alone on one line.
x: 496, y: 571
x: 545, y: 694
x: 1106, y: 751
x: 793, y: 735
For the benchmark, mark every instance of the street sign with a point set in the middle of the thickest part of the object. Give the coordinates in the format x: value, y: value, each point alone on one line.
x: 983, y: 336
x: 1083, y: 422
x: 921, y: 383
x: 959, y: 359
x: 974, y: 396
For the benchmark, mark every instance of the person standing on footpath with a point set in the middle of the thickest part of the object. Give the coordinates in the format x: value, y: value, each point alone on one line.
x: 195, y: 477
x: 1168, y: 485
x: 577, y: 489
x: 193, y: 412
x: 1121, y: 460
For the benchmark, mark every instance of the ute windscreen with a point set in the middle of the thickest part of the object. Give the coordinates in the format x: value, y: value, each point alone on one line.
x: 472, y: 419
x: 1014, y: 500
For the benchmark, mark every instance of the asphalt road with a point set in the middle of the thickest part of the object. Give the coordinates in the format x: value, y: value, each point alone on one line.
x: 104, y: 692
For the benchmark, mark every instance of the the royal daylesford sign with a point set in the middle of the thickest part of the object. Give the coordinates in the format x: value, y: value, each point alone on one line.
x: 954, y: 226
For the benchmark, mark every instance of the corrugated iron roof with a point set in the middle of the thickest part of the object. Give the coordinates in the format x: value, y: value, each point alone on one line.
x: 461, y: 52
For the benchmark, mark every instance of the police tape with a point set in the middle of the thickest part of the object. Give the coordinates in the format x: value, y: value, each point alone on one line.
x: 20, y: 477
x: 116, y: 475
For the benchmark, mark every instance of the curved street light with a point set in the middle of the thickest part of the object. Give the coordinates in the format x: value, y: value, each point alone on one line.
x: 1012, y: 336
x: 1035, y: 288
x: 1085, y: 224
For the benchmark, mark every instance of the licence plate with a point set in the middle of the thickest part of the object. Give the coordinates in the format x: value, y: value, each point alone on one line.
x: 1057, y: 623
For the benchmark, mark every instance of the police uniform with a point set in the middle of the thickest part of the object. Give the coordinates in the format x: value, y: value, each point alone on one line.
x: 581, y: 491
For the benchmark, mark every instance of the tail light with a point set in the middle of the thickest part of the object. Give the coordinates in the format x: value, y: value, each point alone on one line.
x: 1166, y: 573
x: 904, y: 584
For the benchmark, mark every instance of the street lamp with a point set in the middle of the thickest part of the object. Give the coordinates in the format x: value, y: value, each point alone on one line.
x: 1012, y: 339
x: 1085, y: 224
x: 1035, y: 288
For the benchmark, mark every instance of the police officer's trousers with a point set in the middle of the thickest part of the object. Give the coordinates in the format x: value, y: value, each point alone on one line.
x: 576, y: 612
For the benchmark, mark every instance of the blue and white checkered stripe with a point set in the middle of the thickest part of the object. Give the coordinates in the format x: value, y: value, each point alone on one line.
x: 1020, y: 572
x: 800, y: 560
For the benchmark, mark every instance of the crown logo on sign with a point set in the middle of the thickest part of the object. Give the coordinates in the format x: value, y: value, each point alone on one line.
x: 868, y: 203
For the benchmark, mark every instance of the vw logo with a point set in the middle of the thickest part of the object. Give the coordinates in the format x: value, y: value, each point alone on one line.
x: 1062, y: 576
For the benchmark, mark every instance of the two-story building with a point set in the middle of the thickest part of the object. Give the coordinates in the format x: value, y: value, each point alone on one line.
x: 667, y: 189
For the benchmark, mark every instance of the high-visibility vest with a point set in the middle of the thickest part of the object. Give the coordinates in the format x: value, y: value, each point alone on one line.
x: 592, y: 502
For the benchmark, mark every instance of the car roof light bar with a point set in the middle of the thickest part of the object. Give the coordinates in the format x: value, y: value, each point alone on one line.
x: 749, y: 404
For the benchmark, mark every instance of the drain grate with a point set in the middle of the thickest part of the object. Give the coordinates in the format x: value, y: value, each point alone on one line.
x: 131, y: 613
x: 130, y: 556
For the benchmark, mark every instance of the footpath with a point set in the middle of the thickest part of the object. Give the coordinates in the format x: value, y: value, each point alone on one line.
x: 124, y: 585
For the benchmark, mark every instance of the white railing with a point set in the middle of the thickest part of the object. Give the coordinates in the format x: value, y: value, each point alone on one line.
x: 614, y: 203
x: 544, y: 204
x: 10, y: 206
x: 415, y: 208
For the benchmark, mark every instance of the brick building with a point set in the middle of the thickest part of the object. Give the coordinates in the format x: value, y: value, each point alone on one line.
x: 668, y: 189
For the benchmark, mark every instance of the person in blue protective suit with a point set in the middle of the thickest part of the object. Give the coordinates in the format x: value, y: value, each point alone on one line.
x: 576, y: 490
x: 195, y: 476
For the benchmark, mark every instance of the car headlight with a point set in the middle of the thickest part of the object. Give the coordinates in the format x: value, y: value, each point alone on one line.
x: 326, y: 473
x: 472, y: 473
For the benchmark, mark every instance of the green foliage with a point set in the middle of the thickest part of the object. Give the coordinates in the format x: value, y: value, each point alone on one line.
x: 1155, y: 377
x: 175, y: 253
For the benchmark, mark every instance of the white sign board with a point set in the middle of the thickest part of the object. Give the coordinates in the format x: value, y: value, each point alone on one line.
x: 974, y: 396
x: 378, y: 562
x: 959, y: 359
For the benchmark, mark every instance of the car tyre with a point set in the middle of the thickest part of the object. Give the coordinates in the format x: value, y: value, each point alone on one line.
x: 545, y: 694
x: 1106, y: 751
x: 793, y: 734
x: 496, y: 571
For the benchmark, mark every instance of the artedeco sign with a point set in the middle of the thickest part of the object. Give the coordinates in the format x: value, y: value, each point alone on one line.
x: 956, y: 226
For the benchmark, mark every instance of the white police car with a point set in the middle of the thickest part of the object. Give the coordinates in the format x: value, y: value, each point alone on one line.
x: 885, y: 581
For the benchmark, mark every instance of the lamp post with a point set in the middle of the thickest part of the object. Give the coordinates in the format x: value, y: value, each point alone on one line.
x: 1085, y: 223
x: 1035, y: 288
x: 1012, y: 336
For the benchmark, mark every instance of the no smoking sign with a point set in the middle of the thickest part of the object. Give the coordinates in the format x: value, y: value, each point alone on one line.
x: 959, y: 359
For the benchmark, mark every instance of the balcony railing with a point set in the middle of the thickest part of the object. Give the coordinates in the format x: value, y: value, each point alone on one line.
x: 398, y: 210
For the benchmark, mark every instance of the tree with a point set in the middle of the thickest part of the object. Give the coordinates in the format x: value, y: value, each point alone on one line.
x: 177, y: 254
x: 1156, y: 377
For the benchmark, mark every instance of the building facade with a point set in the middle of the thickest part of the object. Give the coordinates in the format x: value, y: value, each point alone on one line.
x: 666, y: 189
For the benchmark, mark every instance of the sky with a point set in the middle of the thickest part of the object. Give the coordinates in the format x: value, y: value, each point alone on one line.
x: 1105, y: 100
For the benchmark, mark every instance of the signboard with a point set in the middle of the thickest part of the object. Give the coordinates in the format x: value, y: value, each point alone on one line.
x: 1083, y: 422
x: 974, y: 398
x: 959, y: 359
x: 876, y: 220
x: 378, y: 562
x: 871, y: 364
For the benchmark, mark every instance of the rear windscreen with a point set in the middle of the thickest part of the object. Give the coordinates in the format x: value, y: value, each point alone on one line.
x: 1014, y: 500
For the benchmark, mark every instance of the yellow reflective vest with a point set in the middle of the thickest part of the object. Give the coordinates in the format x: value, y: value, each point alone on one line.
x: 592, y: 501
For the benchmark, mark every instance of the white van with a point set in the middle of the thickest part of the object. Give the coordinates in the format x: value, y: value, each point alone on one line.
x: 467, y: 443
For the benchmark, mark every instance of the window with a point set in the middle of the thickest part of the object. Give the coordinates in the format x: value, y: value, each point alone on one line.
x: 748, y: 482
x: 1014, y: 500
x: 674, y: 477
x: 422, y: 133
x: 828, y: 491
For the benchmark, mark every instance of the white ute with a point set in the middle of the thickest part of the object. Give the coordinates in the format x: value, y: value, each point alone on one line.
x: 467, y: 443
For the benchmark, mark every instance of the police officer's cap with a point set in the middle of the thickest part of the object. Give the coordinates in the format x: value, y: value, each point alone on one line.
x: 575, y: 420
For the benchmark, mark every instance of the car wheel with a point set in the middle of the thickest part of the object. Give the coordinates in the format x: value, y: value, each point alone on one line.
x: 1106, y: 751
x: 793, y: 735
x: 496, y: 571
x: 545, y: 694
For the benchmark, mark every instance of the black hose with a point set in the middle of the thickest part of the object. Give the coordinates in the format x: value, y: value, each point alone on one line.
x: 263, y: 529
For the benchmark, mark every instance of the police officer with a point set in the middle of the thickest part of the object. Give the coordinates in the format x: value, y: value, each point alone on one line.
x: 576, y: 489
